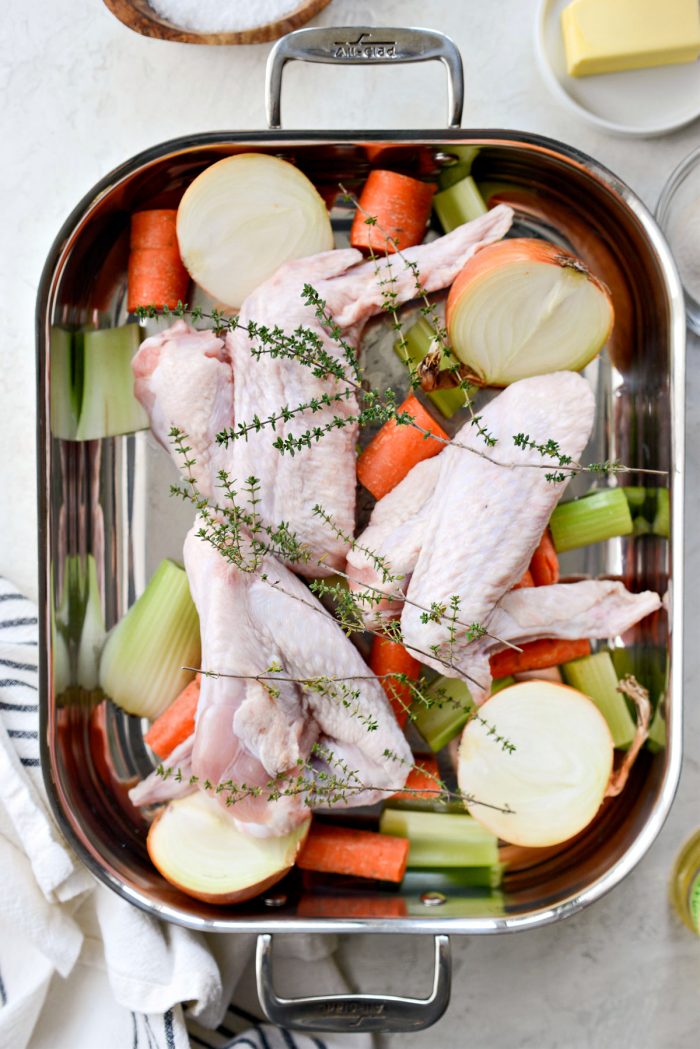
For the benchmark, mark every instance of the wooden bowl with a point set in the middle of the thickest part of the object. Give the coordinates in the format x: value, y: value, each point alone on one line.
x: 140, y: 16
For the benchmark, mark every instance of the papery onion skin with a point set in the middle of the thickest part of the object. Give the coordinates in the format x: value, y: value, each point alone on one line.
x: 242, y: 218
x: 556, y: 778
x: 184, y: 827
x: 484, y: 361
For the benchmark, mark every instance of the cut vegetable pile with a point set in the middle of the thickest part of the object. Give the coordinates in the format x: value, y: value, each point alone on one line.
x: 505, y: 677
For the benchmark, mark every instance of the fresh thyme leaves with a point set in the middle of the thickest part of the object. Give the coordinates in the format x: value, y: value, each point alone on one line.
x: 285, y: 415
x: 351, y: 621
x: 239, y: 534
x: 235, y: 528
x: 335, y: 689
x: 378, y: 562
x: 323, y: 780
x: 376, y: 407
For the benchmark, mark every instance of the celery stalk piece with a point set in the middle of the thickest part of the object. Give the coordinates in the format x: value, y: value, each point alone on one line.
x: 640, y: 526
x: 435, y: 804
x: 411, y: 349
x: 107, y: 403
x: 448, y: 713
x: 93, y: 633
x: 453, y: 879
x: 447, y: 402
x: 656, y: 740
x: 458, y: 204
x: 647, y: 663
x: 595, y: 676
x: 441, y: 839
x: 591, y: 519
x: 650, y: 509
x: 456, y: 172
x: 79, y: 629
x: 662, y: 521
x: 500, y: 683
x: 476, y: 905
x: 636, y: 496
x: 60, y: 658
x: 63, y: 406
x: 141, y: 666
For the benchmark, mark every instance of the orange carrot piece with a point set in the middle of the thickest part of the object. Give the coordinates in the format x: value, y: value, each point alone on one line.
x: 397, y: 448
x: 154, y: 229
x: 176, y: 724
x: 422, y: 781
x: 381, y: 905
x: 362, y: 853
x: 401, y: 207
x: 526, y: 581
x: 389, y: 657
x: 537, y: 655
x: 156, y: 276
x: 374, y: 151
x: 544, y: 565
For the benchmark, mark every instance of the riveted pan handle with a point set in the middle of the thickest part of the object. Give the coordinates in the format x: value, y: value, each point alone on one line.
x: 364, y: 46
x: 349, y: 1013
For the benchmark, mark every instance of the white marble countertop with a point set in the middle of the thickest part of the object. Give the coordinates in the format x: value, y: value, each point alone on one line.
x: 81, y: 93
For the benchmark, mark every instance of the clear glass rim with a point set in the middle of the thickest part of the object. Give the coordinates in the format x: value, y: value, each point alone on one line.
x: 680, y: 173
x: 675, y: 179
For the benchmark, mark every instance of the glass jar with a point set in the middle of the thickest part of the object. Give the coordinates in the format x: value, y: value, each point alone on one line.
x: 678, y: 214
x: 685, y: 883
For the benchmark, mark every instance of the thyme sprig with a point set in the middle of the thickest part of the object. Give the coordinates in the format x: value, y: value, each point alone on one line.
x: 377, y: 407
x: 240, y: 535
x: 372, y: 596
x: 336, y: 784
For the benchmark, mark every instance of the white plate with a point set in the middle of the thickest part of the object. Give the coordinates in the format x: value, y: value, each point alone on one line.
x: 638, y: 102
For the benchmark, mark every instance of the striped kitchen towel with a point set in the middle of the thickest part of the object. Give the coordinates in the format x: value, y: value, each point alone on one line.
x: 80, y: 968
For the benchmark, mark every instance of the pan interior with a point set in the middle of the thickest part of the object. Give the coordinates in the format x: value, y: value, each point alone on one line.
x: 110, y: 499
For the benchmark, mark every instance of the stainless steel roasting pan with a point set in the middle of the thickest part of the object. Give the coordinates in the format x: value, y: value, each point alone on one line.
x: 109, y: 498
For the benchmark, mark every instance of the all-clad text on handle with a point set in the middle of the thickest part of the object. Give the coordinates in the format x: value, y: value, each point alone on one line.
x: 365, y: 45
x: 355, y: 1012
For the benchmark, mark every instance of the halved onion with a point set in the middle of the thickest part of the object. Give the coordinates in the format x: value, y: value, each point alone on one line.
x: 525, y: 307
x: 242, y: 218
x: 195, y: 844
x: 555, y: 779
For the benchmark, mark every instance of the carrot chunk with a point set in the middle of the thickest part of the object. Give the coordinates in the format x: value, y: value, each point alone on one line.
x: 422, y: 781
x: 537, y: 655
x: 397, y: 448
x: 389, y: 657
x: 381, y: 905
x: 156, y: 276
x: 176, y: 723
x: 525, y: 582
x: 399, y: 207
x: 544, y: 566
x: 362, y: 853
x: 154, y: 229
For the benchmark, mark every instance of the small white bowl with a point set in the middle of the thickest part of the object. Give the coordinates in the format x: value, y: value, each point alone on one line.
x: 639, y: 102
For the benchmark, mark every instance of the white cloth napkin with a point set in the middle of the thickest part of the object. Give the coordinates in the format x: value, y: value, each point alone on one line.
x: 80, y: 968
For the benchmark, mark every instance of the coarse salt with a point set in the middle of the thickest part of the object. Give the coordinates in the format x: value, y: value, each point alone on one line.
x: 223, y: 16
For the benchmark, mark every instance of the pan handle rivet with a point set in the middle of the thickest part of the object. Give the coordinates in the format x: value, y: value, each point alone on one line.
x: 278, y: 900
x: 433, y: 899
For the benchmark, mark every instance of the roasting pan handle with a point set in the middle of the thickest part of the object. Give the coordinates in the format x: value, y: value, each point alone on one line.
x: 351, y: 1013
x: 364, y: 46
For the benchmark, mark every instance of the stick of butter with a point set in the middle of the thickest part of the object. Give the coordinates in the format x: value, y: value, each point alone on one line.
x: 606, y: 36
